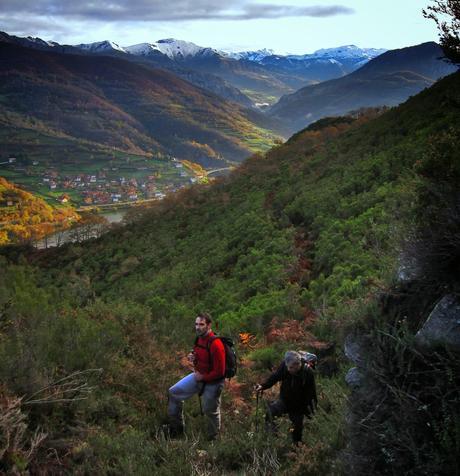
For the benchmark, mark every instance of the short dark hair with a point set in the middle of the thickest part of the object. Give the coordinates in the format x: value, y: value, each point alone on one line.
x: 206, y: 316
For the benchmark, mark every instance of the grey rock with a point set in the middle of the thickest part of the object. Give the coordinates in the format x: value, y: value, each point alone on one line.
x: 442, y: 328
x: 353, y: 350
x: 409, y: 268
x: 354, y: 378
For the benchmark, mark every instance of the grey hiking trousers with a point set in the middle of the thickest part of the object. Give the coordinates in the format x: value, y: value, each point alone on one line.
x: 210, y: 401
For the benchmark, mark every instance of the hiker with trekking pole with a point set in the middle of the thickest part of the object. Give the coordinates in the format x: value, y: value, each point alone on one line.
x: 207, y: 380
x: 297, y: 395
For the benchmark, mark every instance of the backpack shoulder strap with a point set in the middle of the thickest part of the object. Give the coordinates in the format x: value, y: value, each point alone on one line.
x: 304, y: 372
x: 307, y: 372
x: 208, y: 347
x: 211, y: 340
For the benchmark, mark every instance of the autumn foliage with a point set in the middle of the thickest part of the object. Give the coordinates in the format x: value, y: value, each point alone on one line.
x: 25, y: 218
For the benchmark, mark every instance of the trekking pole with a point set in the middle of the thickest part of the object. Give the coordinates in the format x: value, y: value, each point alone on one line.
x: 258, y: 394
x: 257, y: 411
x: 199, y: 398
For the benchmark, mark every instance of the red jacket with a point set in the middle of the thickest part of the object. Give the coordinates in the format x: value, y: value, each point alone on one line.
x: 210, y: 363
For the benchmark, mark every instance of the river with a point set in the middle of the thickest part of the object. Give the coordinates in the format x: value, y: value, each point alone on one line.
x: 114, y: 216
x: 61, y: 237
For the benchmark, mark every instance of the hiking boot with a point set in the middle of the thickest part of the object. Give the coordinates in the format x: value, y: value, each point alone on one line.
x: 211, y: 437
x: 173, y: 431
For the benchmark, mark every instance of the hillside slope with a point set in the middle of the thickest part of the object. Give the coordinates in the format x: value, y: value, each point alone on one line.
x: 315, y: 184
x: 292, y: 245
x: 115, y: 103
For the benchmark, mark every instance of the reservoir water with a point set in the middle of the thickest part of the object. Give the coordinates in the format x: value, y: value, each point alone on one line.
x: 61, y: 237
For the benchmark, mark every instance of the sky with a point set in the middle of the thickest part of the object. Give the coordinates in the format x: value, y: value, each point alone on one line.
x: 289, y: 26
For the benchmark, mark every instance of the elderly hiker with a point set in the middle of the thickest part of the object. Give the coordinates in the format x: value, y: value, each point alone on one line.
x: 206, y: 381
x: 297, y: 395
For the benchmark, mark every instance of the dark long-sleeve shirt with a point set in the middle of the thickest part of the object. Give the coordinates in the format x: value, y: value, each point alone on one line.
x: 298, y: 391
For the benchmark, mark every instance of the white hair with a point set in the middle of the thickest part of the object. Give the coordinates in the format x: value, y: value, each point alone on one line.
x: 291, y: 357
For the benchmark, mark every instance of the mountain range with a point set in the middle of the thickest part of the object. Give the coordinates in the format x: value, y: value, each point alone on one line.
x: 260, y: 77
x: 177, y: 98
x: 387, y: 80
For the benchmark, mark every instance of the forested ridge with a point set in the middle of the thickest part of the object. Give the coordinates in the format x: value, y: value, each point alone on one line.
x: 106, y: 103
x: 293, y: 250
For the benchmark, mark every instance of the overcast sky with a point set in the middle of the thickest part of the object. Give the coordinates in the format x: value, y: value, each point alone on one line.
x: 290, y: 26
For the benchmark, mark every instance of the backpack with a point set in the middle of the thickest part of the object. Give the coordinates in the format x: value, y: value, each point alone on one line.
x: 310, y: 360
x: 231, y: 361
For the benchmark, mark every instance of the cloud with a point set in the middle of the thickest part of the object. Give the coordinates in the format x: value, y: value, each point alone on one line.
x: 25, y: 25
x: 160, y: 10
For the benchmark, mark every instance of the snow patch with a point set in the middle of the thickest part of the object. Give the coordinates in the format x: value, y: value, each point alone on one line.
x: 174, y: 49
x: 257, y: 55
x: 348, y: 52
x: 100, y: 46
x: 333, y: 54
x: 39, y: 41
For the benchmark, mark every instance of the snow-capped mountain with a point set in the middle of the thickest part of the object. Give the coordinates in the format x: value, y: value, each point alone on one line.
x: 101, y: 47
x: 225, y: 74
x: 347, y: 52
x: 256, y: 56
x: 342, y: 53
x: 323, y: 64
x: 173, y: 49
x: 37, y: 43
x: 42, y: 43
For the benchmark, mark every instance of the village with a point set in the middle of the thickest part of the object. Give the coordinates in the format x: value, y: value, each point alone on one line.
x: 111, y: 184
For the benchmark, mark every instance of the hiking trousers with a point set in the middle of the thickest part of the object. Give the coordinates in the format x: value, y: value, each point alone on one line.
x: 210, y: 401
x: 278, y: 408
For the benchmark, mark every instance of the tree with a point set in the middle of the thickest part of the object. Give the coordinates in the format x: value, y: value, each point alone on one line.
x: 446, y: 14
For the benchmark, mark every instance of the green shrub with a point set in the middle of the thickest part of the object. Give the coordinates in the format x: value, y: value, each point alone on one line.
x: 266, y: 357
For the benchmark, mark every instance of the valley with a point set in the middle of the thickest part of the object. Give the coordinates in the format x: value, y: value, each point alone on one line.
x: 197, y: 103
x: 98, y: 125
x: 304, y: 207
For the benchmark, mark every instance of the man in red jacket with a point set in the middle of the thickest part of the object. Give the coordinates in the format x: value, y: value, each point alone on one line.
x: 207, y: 379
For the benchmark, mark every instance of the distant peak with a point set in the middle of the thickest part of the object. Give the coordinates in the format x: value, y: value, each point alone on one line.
x: 253, y: 55
x: 39, y: 41
x: 174, y: 49
x: 99, y: 46
x: 330, y: 54
x: 349, y: 51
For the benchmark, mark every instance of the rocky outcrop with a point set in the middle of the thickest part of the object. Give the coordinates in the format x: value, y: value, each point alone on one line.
x: 354, y: 378
x: 442, y: 328
x: 353, y: 349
